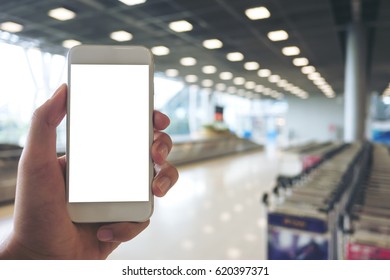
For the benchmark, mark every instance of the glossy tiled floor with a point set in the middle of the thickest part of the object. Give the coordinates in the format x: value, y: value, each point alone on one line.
x: 213, y: 212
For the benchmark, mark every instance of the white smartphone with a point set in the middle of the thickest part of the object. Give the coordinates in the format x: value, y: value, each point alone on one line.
x: 109, y: 133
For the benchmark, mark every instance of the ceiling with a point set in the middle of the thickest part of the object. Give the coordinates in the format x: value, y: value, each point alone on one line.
x: 317, y: 27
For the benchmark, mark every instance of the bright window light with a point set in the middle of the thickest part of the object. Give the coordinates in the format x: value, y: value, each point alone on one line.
x: 257, y: 13
x: 121, y: 36
x: 209, y: 69
x: 386, y: 100
x: 11, y: 26
x: 212, y: 44
x: 61, y: 14
x: 180, y: 26
x: 132, y: 2
x: 291, y: 51
x: 278, y: 35
x: 70, y: 43
x: 226, y: 76
x: 251, y: 65
x: 191, y: 78
x: 188, y: 61
x: 308, y: 69
x: 235, y: 56
x: 264, y: 73
x: 238, y: 81
x: 300, y: 61
x: 160, y: 50
x: 172, y: 73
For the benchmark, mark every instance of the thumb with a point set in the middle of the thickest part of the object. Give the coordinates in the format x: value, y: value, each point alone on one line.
x: 41, y: 141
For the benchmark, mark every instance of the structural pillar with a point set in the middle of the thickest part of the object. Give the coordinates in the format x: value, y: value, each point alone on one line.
x: 355, y: 83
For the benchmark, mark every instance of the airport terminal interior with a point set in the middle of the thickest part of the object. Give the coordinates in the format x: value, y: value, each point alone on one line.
x: 279, y: 110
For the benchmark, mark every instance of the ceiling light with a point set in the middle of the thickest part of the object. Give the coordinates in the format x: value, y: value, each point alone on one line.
x: 11, y: 26
x: 226, y: 76
x: 264, y: 73
x: 300, y: 61
x: 70, y: 43
x: 235, y: 56
x: 180, y: 26
x: 132, y: 2
x: 172, y: 73
x: 308, y: 69
x: 274, y: 78
x: 259, y: 88
x: 290, y: 51
x: 220, y: 87
x: 212, y: 44
x: 252, y: 65
x: 207, y: 83
x: 278, y: 35
x: 257, y: 13
x: 282, y: 83
x: 62, y: 14
x: 121, y: 36
x: 267, y: 91
x: 232, y: 90
x: 191, y: 78
x: 160, y: 50
x: 209, y: 69
x: 238, y: 81
x: 314, y: 76
x: 250, y: 85
x: 188, y: 61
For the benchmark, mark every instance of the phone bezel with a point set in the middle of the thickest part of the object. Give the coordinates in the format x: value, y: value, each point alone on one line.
x: 111, y: 211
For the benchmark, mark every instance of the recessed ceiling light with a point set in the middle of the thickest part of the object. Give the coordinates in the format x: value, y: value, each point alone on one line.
x: 257, y: 13
x: 238, y: 81
x: 274, y: 78
x: 160, y: 50
x: 264, y: 73
x: 232, y: 90
x: 70, y: 43
x: 314, y: 76
x: 259, y: 88
x: 207, y: 83
x: 191, y: 78
x: 11, y: 26
x: 300, y: 61
x: 282, y: 83
x: 172, y: 73
x: 212, y: 44
x: 209, y: 69
x: 220, y: 87
x: 251, y: 65
x: 235, y: 56
x: 226, y: 76
x: 250, y: 85
x: 278, y: 35
x: 121, y: 36
x: 132, y: 2
x: 180, y: 26
x: 291, y: 50
x: 188, y: 61
x: 62, y: 14
x: 308, y: 69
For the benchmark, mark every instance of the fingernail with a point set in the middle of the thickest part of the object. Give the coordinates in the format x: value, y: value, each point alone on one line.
x: 105, y: 235
x: 57, y: 91
x: 163, y: 184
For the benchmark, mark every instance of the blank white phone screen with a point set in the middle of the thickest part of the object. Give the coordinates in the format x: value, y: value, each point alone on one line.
x: 109, y: 133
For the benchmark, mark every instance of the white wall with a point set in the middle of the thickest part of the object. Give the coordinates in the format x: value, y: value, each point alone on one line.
x: 310, y: 119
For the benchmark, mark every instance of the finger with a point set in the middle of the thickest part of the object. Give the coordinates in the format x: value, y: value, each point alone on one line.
x: 41, y: 142
x: 166, y: 177
x: 62, y: 162
x: 120, y: 232
x: 160, y: 120
x: 161, y: 147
